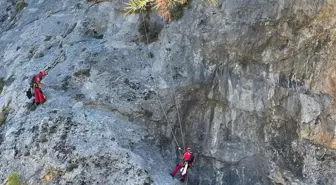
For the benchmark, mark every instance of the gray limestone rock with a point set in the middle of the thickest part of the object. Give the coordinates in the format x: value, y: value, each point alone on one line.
x: 249, y: 85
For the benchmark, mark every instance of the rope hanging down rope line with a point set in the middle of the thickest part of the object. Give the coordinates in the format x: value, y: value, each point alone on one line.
x: 174, y: 92
x: 175, y: 100
x: 174, y: 96
x: 162, y: 109
x: 176, y: 103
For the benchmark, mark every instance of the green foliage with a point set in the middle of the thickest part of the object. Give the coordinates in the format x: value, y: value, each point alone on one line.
x: 162, y: 7
x: 19, y: 5
x: 83, y: 72
x: 3, y: 115
x: 47, y: 38
x: 2, y: 84
x: 2, y: 118
x: 135, y: 6
x: 14, y: 179
x: 167, y: 9
x: 177, y: 12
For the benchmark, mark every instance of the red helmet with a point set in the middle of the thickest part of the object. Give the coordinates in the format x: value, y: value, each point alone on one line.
x: 42, y: 72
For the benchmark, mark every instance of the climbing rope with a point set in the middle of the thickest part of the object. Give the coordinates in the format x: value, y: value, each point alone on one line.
x: 174, y: 92
x: 174, y: 95
x: 157, y: 95
x: 175, y: 99
x: 167, y: 120
x: 177, y: 109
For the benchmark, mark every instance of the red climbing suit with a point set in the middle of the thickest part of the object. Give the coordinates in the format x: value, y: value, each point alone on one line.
x: 38, y: 95
x: 186, y: 157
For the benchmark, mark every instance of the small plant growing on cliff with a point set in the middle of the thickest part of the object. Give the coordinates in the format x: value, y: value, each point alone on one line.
x: 3, y: 114
x: 177, y: 12
x: 83, y: 72
x: 164, y: 8
x: 2, y: 84
x: 47, y: 38
x: 19, y: 5
x: 14, y: 179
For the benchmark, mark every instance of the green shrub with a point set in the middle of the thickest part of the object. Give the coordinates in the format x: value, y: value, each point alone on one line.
x: 2, y: 84
x: 164, y: 8
x: 14, y: 179
x: 47, y: 38
x: 3, y: 115
x: 177, y: 12
x: 2, y: 118
x: 83, y: 72
x: 19, y: 5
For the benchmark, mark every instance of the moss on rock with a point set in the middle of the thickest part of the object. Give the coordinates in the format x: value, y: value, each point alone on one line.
x: 14, y: 179
x: 20, y: 5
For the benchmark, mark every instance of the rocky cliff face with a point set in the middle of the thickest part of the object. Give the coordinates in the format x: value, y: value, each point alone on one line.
x: 249, y: 85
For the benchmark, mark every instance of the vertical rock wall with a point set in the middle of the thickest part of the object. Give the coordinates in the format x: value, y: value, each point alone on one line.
x: 254, y: 83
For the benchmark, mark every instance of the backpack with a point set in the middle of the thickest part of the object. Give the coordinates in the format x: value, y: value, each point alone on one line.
x: 29, y: 94
x: 191, y: 159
